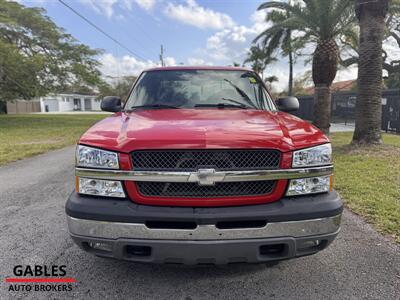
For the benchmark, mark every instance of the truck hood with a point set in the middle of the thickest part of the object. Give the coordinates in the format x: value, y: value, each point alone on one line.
x: 201, y: 129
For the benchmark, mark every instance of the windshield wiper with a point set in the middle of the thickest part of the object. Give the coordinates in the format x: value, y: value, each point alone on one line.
x: 150, y: 106
x: 241, y: 93
x: 237, y: 102
x: 223, y: 105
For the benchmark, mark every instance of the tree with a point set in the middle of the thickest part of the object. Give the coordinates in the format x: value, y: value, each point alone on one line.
x: 301, y: 83
x: 392, y: 35
x: 281, y: 39
x: 322, y: 23
x: 393, y: 81
x: 259, y: 58
x: 119, y: 87
x: 271, y: 79
x: 371, y: 16
x: 37, y: 57
x: 391, y: 38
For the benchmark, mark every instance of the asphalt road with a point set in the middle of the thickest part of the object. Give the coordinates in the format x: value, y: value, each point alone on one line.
x: 359, y: 264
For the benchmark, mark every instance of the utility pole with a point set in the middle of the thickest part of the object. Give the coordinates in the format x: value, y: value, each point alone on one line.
x: 162, y: 56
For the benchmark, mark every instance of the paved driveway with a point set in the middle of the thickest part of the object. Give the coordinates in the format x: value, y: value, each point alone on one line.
x: 360, y: 264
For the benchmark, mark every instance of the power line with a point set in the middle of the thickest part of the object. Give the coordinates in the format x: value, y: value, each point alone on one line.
x: 143, y: 30
x: 101, y: 30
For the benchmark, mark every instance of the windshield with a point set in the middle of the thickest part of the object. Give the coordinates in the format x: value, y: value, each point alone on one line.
x: 199, y: 88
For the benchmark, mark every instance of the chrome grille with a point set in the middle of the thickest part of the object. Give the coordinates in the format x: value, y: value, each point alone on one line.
x: 191, y: 160
x: 194, y: 190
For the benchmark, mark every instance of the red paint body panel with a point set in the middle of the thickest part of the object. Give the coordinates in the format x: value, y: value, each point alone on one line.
x: 203, y: 129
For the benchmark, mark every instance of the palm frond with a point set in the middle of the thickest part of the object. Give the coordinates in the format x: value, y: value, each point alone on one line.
x: 394, y: 7
x: 342, y: 16
x: 312, y: 6
x: 275, y: 4
x: 295, y: 11
x: 292, y: 23
x: 276, y: 16
x: 287, y: 43
x: 271, y: 79
x: 268, y: 32
x: 272, y: 42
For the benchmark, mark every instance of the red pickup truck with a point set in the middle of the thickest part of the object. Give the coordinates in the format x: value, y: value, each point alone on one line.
x: 201, y: 166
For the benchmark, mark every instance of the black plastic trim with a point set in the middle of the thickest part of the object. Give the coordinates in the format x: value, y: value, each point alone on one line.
x: 206, y: 252
x: 287, y: 209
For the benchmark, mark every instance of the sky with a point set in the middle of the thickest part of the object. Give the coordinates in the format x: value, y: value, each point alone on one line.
x: 193, y: 32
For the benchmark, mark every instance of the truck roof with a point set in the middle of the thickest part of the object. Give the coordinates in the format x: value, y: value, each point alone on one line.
x: 182, y: 68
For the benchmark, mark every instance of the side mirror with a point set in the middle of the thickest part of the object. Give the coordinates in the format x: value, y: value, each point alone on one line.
x: 111, y: 104
x: 288, y: 104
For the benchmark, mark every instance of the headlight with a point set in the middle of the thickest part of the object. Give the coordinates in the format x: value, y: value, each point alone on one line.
x: 309, y: 185
x: 96, y: 158
x: 315, y: 156
x: 99, y: 187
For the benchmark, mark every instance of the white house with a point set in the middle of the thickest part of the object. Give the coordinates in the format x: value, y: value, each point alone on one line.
x: 69, y: 102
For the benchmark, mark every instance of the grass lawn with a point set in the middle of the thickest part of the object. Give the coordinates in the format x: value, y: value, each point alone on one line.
x: 26, y: 135
x: 368, y: 179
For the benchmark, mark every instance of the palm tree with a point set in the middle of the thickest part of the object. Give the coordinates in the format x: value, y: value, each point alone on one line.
x: 280, y: 39
x: 321, y: 22
x: 390, y: 65
x: 259, y: 59
x: 371, y: 16
x: 271, y: 79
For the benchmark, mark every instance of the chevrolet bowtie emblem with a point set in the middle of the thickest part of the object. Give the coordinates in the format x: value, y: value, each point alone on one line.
x: 206, y: 177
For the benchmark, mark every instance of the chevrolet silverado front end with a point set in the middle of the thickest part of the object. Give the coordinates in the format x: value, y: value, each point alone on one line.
x: 201, y: 166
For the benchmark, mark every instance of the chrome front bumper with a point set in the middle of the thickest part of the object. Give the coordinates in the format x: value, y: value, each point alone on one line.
x: 116, y: 230
x: 205, y: 244
x: 292, y: 227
